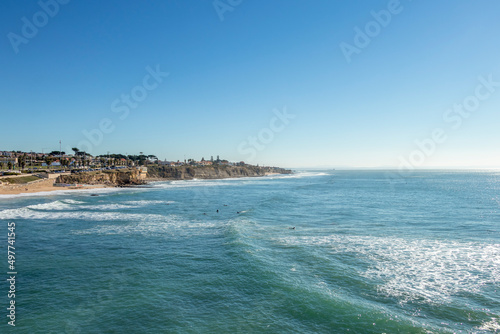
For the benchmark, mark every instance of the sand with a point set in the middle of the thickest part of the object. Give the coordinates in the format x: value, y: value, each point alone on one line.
x: 40, y: 186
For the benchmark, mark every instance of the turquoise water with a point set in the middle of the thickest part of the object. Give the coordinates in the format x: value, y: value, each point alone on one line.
x: 369, y: 254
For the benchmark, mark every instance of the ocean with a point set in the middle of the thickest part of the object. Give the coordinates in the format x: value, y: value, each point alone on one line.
x: 313, y: 252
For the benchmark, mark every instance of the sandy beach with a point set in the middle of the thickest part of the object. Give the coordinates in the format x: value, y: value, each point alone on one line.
x: 41, y: 186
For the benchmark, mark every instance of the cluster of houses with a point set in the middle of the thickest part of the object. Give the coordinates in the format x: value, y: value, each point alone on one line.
x: 202, y: 162
x: 28, y: 160
x: 32, y: 160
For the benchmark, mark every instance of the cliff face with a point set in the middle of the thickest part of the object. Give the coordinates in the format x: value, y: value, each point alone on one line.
x: 134, y: 177
x: 210, y: 172
x: 112, y: 178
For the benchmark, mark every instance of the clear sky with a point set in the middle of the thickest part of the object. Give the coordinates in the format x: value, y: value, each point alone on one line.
x: 285, y: 82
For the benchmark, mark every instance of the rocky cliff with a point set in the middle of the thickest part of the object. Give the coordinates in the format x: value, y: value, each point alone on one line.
x: 210, y: 172
x: 113, y: 178
x: 133, y: 176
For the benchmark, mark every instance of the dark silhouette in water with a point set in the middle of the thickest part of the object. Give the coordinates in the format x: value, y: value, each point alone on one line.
x: 292, y: 228
x: 217, y: 210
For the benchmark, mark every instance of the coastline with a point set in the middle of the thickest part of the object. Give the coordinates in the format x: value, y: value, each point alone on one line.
x: 43, y: 186
x: 211, y: 172
x: 48, y: 186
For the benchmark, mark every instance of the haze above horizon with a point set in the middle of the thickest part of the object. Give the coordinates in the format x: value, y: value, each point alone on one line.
x: 383, y: 84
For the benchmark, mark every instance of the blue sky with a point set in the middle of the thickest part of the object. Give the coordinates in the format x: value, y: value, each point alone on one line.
x: 229, y: 78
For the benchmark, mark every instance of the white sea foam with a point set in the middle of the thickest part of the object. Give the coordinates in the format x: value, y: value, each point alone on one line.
x: 56, y: 205
x: 191, y: 183
x: 40, y: 194
x: 55, y: 210
x: 417, y: 270
x: 67, y: 192
x: 492, y: 326
x: 29, y: 213
x: 69, y: 204
x: 108, y: 207
x: 72, y: 201
x: 62, y: 205
x: 129, y: 205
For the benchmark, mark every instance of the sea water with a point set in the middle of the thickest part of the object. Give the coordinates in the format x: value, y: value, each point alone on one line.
x: 313, y: 252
